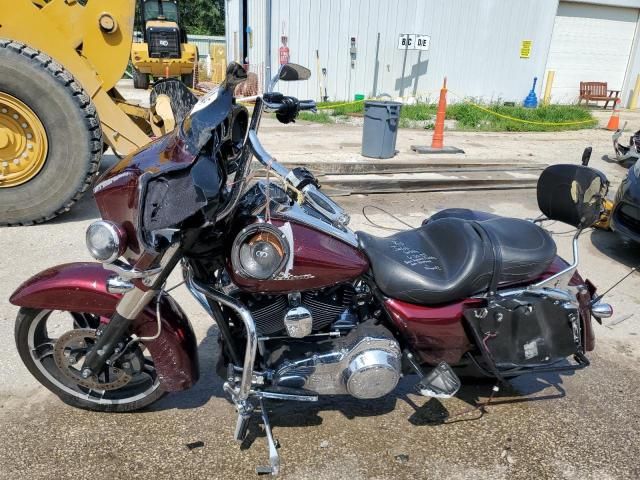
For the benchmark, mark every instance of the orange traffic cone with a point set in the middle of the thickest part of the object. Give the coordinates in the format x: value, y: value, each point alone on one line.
x: 438, y: 131
x: 614, y: 121
x: 437, y: 142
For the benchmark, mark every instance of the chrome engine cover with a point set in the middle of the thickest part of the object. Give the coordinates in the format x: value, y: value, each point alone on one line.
x: 298, y: 322
x: 366, y: 363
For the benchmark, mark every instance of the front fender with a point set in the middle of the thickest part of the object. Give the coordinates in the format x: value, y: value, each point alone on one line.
x: 81, y: 287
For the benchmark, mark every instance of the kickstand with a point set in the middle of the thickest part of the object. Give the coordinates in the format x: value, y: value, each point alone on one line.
x: 274, y: 459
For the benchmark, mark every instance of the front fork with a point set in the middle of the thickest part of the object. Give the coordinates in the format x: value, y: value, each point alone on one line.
x: 134, y: 300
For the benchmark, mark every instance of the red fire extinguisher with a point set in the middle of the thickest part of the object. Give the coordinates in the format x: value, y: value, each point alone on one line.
x: 284, y: 51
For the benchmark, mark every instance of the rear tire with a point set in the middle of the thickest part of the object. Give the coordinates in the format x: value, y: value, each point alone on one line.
x: 72, y: 129
x: 27, y: 322
x: 140, y: 80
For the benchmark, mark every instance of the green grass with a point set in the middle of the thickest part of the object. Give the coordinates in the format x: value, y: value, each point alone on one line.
x: 469, y: 117
x: 320, y: 117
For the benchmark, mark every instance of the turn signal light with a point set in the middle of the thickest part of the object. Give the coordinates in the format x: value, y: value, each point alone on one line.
x: 602, y: 310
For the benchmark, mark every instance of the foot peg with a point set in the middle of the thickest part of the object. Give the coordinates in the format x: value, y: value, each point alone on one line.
x: 242, y: 426
x: 441, y: 382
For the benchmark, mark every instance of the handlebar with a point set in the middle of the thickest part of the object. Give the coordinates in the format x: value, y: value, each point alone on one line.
x: 308, y: 105
x: 314, y: 197
x: 263, y: 156
x: 276, y: 102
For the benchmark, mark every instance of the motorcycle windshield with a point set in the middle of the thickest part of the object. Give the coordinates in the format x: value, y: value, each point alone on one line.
x: 176, y: 196
x: 211, y: 110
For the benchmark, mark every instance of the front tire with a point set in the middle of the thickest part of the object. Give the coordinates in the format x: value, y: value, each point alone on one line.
x: 34, y: 330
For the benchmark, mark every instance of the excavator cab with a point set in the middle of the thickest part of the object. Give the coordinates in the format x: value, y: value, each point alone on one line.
x: 164, y: 50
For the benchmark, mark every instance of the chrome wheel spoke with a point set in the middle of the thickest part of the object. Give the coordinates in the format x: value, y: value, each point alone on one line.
x: 85, y: 320
x: 43, y: 350
x: 58, y: 345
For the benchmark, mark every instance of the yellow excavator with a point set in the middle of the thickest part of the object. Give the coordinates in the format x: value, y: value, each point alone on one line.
x: 60, y: 61
x: 164, y: 50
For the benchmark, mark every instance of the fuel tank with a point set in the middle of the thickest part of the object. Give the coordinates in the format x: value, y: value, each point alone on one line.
x: 318, y: 260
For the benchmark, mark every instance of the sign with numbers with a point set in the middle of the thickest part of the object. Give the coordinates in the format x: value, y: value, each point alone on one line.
x: 413, y: 41
x: 525, y: 48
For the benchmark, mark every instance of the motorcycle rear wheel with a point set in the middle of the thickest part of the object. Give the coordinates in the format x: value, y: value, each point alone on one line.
x: 35, y: 335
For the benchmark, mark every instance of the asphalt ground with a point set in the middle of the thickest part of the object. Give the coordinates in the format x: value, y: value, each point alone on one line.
x: 578, y: 426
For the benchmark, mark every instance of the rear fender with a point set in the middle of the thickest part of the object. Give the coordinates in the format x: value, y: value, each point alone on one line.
x: 81, y: 287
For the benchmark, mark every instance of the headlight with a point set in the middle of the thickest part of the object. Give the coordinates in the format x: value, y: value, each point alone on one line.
x: 105, y: 241
x: 260, y: 251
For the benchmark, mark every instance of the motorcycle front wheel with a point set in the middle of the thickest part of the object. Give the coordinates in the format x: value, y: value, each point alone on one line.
x: 53, y: 344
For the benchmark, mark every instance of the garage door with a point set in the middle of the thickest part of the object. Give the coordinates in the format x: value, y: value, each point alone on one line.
x: 590, y: 43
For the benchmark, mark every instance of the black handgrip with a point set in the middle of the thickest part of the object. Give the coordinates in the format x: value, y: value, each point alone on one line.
x: 307, y: 105
x: 586, y: 156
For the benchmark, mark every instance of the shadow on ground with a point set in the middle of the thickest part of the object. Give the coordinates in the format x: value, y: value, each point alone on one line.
x: 426, y: 412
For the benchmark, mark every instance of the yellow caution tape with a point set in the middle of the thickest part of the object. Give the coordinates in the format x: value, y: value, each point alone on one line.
x: 329, y: 107
x: 522, y: 120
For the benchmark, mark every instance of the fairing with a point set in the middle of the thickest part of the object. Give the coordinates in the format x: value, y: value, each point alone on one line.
x: 179, y: 175
x: 81, y: 287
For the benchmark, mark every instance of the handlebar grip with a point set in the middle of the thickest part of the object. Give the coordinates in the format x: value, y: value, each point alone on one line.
x: 307, y: 105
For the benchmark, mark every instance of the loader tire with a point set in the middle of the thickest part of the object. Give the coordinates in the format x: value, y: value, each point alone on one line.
x: 59, y: 113
x: 140, y: 80
x: 187, y: 79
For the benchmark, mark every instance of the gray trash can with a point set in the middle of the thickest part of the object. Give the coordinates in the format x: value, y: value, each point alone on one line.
x: 380, y: 128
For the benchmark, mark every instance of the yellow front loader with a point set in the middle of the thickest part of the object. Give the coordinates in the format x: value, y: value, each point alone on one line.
x: 164, y: 50
x: 60, y: 61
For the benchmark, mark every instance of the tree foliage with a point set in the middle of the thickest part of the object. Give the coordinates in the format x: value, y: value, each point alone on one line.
x: 202, y: 17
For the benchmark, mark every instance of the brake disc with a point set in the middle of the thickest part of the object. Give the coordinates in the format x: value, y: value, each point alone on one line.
x: 69, y: 352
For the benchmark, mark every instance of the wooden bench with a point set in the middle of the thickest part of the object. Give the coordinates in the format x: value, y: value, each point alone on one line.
x: 597, y: 91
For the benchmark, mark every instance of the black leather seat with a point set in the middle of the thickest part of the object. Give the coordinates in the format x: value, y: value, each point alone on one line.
x: 450, y: 258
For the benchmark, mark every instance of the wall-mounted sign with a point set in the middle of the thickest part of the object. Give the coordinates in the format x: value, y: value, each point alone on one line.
x: 413, y: 41
x: 423, y: 42
x: 525, y: 48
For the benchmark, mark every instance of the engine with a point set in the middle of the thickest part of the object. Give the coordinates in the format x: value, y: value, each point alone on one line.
x: 357, y: 356
x: 365, y: 363
x: 308, y: 311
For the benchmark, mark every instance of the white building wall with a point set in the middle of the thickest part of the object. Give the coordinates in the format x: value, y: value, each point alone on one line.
x: 476, y: 44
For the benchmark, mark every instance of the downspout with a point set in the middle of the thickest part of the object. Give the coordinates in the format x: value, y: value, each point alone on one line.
x: 546, y: 60
x: 267, y: 56
x: 632, y: 65
x: 227, y: 31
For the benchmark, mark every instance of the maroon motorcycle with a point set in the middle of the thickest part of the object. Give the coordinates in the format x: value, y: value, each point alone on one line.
x: 304, y: 306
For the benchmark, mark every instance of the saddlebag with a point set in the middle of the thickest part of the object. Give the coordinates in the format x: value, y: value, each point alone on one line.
x: 525, y: 331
